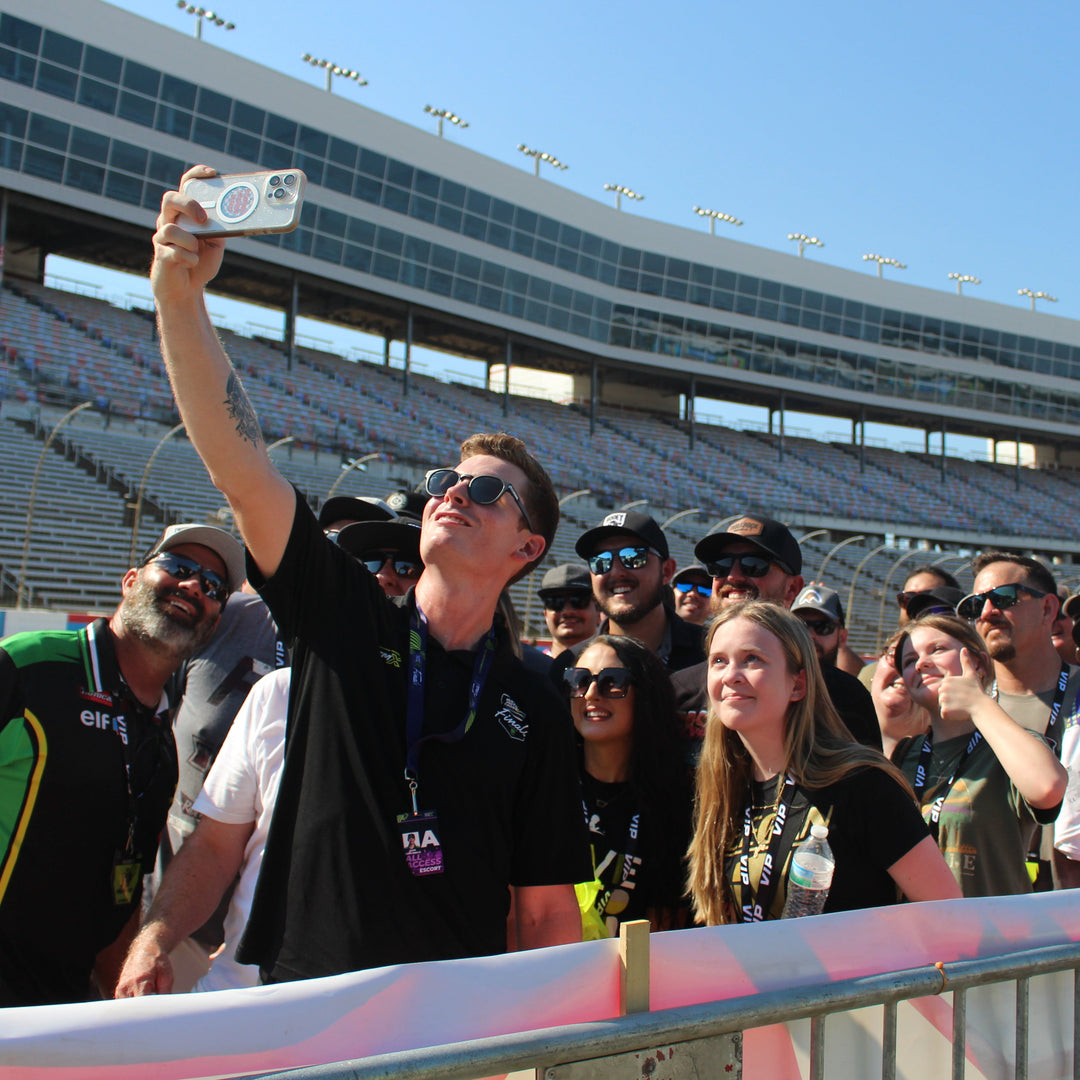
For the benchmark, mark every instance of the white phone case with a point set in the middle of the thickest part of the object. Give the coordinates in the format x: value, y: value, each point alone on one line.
x: 246, y: 204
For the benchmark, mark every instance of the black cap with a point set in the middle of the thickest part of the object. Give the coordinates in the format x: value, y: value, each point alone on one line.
x: 822, y: 599
x: 622, y: 523
x: 401, y: 535
x: 568, y: 577
x: 694, y: 570
x: 765, y: 533
x: 938, y: 601
x: 354, y: 508
x: 408, y: 503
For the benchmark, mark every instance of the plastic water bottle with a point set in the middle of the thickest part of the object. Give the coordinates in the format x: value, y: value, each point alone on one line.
x: 810, y: 875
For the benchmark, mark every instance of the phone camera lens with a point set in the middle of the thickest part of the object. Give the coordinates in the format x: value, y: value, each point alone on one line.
x: 279, y: 193
x: 275, y: 180
x: 290, y: 179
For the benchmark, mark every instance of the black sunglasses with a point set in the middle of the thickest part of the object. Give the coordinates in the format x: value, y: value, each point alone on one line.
x: 751, y: 565
x: 579, y: 602
x: 632, y: 558
x: 821, y: 627
x: 612, y: 682
x: 400, y: 564
x: 688, y: 586
x: 483, y: 490
x: 213, y: 585
x: 1003, y: 598
x: 905, y: 598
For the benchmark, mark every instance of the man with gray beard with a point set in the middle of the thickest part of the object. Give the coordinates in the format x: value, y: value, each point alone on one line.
x: 88, y: 767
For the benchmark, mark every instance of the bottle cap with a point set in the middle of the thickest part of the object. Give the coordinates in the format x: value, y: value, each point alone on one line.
x: 819, y: 832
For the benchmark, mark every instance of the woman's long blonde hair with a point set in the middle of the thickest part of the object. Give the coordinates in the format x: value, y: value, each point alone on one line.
x: 819, y: 751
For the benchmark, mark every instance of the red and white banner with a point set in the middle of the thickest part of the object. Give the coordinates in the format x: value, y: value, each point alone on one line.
x: 237, y: 1032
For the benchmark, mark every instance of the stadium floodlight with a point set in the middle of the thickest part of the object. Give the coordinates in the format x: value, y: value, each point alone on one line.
x: 714, y: 216
x: 620, y: 191
x: 962, y: 280
x: 333, y: 69
x: 884, y: 260
x: 201, y: 13
x: 538, y: 156
x: 1036, y: 296
x: 445, y: 114
x: 802, y: 240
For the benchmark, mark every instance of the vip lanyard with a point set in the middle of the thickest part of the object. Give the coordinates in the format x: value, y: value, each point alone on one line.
x: 629, y: 854
x: 1055, y: 706
x: 761, y: 898
x: 923, y: 770
x: 415, y: 740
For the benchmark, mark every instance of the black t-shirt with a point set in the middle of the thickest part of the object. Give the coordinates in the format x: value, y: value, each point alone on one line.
x: 335, y: 893
x: 849, y: 697
x: 872, y: 822
x: 638, y: 861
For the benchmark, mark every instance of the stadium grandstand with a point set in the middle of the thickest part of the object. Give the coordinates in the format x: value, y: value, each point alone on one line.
x: 423, y: 243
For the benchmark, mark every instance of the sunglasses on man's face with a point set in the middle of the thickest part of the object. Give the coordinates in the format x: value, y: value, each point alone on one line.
x: 688, y: 586
x: 483, y: 490
x: 752, y: 566
x: 611, y: 682
x: 632, y: 558
x: 1003, y: 598
x: 821, y: 627
x: 402, y: 566
x: 905, y: 598
x: 213, y: 585
x: 578, y: 601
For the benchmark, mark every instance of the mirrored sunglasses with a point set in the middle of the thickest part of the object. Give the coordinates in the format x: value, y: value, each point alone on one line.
x: 483, y: 490
x: 632, y: 558
x: 400, y: 564
x: 689, y: 586
x: 213, y: 585
x: 611, y: 682
x: 1003, y: 598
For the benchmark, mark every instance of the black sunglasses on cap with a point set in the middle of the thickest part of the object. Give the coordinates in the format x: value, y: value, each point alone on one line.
x: 213, y: 585
x: 611, y: 682
x: 752, y: 566
x: 632, y: 558
x: 483, y: 490
x: 578, y: 601
x: 1003, y: 598
x: 400, y: 564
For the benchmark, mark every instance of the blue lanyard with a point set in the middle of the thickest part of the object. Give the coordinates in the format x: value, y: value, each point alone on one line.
x: 415, y: 739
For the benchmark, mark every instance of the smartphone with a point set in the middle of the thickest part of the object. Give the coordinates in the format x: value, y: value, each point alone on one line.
x: 246, y: 204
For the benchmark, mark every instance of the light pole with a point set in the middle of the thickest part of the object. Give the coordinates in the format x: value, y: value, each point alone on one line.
x: 574, y: 495
x: 835, y: 548
x: 620, y: 191
x: 680, y: 515
x: 201, y: 13
x: 962, y: 280
x: 445, y: 114
x: 137, y: 516
x: 333, y: 69
x: 854, y: 578
x: 813, y: 532
x: 723, y: 522
x: 885, y: 588
x: 802, y: 240
x: 884, y: 260
x: 33, y: 496
x: 540, y: 155
x: 356, y: 463
x: 635, y: 502
x: 714, y: 216
x: 1037, y: 296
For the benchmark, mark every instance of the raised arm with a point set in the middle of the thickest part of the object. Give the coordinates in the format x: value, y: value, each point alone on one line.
x: 216, y: 411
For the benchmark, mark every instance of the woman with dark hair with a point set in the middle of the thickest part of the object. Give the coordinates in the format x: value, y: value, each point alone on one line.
x: 776, y: 761
x: 635, y: 785
x: 983, y: 781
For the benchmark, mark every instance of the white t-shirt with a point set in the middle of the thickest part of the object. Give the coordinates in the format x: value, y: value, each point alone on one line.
x: 242, y: 787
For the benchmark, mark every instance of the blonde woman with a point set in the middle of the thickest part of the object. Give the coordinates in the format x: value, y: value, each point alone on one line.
x: 777, y: 760
x: 983, y: 781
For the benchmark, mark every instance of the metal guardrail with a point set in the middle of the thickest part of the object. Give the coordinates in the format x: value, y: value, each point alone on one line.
x: 548, y: 1047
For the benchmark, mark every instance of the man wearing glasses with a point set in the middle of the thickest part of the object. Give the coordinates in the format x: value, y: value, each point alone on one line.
x: 629, y: 563
x: 570, y: 609
x: 757, y: 558
x: 822, y: 614
x: 428, y: 772
x: 88, y: 767
x: 692, y: 587
x: 1013, y: 605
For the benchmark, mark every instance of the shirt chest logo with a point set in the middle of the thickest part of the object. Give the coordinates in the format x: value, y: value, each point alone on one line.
x: 105, y: 721
x: 512, y: 718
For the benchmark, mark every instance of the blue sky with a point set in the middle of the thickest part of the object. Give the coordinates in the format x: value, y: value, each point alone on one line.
x: 934, y: 133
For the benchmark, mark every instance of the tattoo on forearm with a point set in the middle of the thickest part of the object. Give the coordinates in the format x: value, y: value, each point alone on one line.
x: 241, y: 410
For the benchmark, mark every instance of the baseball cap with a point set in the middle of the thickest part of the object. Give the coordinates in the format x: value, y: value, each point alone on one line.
x: 567, y: 577
x: 694, y: 570
x: 401, y: 534
x: 822, y: 599
x: 354, y: 508
x: 941, y: 600
x: 620, y: 523
x: 407, y: 503
x: 763, y: 532
x: 226, y: 547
